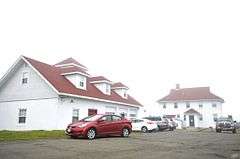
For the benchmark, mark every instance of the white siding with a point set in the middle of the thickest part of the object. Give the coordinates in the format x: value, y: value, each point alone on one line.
x: 206, y: 111
x: 41, y: 115
x: 36, y: 88
x: 65, y: 108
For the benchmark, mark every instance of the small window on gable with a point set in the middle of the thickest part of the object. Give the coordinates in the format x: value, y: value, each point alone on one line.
x: 200, y: 105
x: 22, y: 114
x: 25, y: 77
x: 187, y: 105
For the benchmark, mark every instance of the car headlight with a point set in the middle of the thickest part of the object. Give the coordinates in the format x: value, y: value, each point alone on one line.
x: 83, y: 125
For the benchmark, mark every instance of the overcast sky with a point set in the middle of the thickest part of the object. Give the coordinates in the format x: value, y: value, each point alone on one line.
x: 148, y: 45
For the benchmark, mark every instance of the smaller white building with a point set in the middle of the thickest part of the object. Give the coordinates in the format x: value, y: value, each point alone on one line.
x: 196, y: 107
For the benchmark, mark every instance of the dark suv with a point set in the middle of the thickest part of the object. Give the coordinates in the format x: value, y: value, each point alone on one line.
x: 226, y: 124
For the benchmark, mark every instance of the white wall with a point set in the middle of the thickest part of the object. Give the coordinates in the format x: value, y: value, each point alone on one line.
x: 75, y: 80
x: 36, y: 88
x: 207, y: 111
x: 65, y: 108
x: 103, y: 87
x: 41, y: 114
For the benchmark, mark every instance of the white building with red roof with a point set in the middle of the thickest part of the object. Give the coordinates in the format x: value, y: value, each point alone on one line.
x: 196, y: 107
x: 38, y: 96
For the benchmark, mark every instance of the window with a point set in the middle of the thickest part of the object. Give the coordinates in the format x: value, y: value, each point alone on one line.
x: 214, y: 105
x: 116, y: 118
x: 164, y: 106
x: 215, y: 116
x: 200, y: 105
x: 178, y: 116
x: 123, y: 115
x: 107, y: 88
x: 81, y: 84
x: 132, y: 115
x: 187, y: 105
x: 25, y: 78
x: 184, y: 118
x: 22, y: 114
x: 175, y: 105
x: 107, y: 118
x: 75, y: 115
x: 92, y: 112
x: 200, y: 118
x: 110, y: 113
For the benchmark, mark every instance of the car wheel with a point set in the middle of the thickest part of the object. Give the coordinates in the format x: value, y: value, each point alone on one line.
x: 234, y: 131
x: 125, y: 132
x: 91, y: 134
x: 144, y: 129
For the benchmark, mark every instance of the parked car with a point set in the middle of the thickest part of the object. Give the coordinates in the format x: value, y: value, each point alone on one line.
x: 162, y: 125
x: 226, y: 124
x: 143, y: 125
x: 172, y: 125
x: 99, y: 125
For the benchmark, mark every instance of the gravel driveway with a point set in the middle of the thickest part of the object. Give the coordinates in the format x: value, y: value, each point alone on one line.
x: 165, y: 145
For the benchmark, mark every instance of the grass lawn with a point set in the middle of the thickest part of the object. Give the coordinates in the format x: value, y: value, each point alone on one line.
x: 31, y: 135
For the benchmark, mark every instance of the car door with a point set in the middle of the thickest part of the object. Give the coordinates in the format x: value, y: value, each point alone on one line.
x: 105, y: 125
x: 117, y: 124
x: 137, y: 124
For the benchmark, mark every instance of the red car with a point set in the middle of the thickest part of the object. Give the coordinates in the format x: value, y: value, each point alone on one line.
x: 100, y: 125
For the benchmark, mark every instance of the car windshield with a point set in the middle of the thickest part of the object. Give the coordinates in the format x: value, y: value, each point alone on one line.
x: 224, y: 119
x: 91, y: 118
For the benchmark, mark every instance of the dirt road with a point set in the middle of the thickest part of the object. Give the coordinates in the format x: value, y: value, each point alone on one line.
x: 164, y: 145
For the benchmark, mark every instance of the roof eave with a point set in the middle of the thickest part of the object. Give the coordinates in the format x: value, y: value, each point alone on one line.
x: 164, y: 101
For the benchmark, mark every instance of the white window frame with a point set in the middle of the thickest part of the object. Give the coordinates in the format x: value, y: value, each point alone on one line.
x: 25, y: 78
x: 74, y: 116
x: 22, y: 115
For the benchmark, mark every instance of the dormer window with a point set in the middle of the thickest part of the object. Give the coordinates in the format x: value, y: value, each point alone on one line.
x: 102, y: 83
x: 81, y: 84
x: 120, y: 89
x: 108, y: 89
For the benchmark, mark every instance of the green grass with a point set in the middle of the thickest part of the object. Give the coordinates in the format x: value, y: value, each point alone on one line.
x: 31, y: 135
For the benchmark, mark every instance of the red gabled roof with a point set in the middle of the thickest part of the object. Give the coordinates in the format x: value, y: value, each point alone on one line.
x: 184, y: 94
x: 71, y: 69
x: 98, y: 78
x: 53, y: 75
x: 69, y: 61
x: 118, y: 85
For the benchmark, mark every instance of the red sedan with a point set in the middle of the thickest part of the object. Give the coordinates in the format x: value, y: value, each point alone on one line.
x: 100, y: 125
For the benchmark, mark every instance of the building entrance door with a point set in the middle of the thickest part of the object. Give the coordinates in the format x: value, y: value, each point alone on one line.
x: 191, y: 121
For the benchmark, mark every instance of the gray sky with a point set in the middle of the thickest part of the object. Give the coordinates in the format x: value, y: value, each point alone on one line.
x: 148, y: 45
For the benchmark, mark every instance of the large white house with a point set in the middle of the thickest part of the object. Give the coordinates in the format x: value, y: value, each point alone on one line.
x: 197, y: 107
x: 39, y: 96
